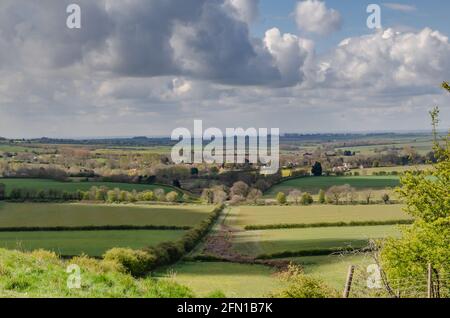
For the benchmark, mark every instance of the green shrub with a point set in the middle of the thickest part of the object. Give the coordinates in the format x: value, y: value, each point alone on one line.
x: 322, y: 198
x: 281, y: 198
x: 148, y: 196
x: 172, y: 196
x: 136, y: 262
x: 216, y: 294
x: 307, y: 199
x: 303, y: 286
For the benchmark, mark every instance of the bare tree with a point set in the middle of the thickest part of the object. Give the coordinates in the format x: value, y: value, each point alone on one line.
x: 367, y: 196
x: 254, y: 195
x: 295, y: 196
x: 338, y: 192
x: 239, y: 188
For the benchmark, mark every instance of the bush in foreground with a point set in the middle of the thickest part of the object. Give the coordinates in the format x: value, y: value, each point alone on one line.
x: 44, y: 274
x: 302, y: 286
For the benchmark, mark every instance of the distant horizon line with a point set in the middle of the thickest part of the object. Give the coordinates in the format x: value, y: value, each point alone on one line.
x: 287, y: 134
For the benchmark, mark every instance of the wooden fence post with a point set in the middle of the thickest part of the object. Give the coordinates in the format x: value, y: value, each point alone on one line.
x: 348, y: 283
x: 430, y: 281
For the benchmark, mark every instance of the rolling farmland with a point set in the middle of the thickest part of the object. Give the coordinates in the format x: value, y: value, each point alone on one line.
x: 315, y: 184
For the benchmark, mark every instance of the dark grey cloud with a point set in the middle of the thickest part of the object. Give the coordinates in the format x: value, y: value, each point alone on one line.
x: 140, y: 38
x: 35, y: 33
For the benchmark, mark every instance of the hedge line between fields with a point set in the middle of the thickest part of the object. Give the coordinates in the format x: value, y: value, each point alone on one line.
x: 141, y: 262
x: 325, y: 224
x: 317, y: 252
x: 94, y: 228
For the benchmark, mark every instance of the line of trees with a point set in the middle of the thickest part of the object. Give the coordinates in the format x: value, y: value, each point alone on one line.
x: 102, y: 194
x: 344, y: 194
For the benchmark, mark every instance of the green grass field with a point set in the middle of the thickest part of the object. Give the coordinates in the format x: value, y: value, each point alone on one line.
x: 315, y: 184
x: 255, y: 243
x: 332, y: 269
x: 44, y: 184
x: 92, y: 243
x: 235, y: 280
x: 76, y: 215
x: 268, y: 215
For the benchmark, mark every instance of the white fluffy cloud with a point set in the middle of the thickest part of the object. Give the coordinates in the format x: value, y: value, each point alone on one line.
x: 290, y: 53
x: 314, y: 16
x: 388, y: 60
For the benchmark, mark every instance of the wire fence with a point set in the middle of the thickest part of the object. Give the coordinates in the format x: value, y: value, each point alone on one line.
x: 371, y: 282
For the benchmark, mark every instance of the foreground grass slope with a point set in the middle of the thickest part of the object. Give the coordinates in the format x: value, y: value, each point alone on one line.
x: 43, y: 274
x: 92, y: 243
x: 79, y: 215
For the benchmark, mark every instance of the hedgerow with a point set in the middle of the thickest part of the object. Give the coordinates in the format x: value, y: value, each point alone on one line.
x: 325, y: 224
x: 140, y: 262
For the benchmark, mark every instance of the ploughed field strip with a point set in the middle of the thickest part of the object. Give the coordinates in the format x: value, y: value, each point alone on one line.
x: 92, y: 243
x: 43, y: 215
x: 44, y: 184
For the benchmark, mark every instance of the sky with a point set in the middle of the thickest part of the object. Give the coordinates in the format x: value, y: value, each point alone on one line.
x: 147, y: 67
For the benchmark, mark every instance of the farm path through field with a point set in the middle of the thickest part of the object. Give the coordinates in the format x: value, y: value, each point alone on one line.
x: 219, y: 244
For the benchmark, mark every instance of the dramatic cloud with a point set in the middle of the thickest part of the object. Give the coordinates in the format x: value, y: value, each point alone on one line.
x: 144, y: 68
x: 313, y: 16
x: 198, y: 38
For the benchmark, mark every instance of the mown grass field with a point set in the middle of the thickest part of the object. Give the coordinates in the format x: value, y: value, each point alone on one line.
x: 315, y: 184
x: 44, y: 184
x: 92, y: 243
x: 268, y: 215
x: 256, y: 243
x: 234, y: 280
x: 78, y: 214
